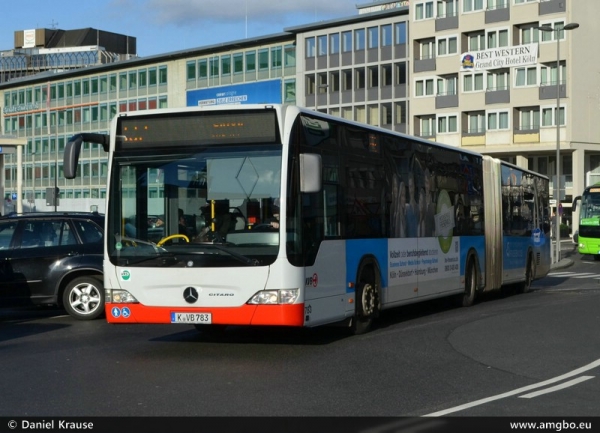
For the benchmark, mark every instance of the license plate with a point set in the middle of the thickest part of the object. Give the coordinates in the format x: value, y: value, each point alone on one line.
x: 201, y: 318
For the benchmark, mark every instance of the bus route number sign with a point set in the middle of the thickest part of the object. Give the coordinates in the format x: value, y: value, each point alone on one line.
x: 200, y: 318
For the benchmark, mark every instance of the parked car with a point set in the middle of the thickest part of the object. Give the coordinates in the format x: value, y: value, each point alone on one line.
x: 53, y: 259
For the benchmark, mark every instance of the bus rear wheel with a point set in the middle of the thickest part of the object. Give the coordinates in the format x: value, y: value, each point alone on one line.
x: 529, y: 275
x: 467, y: 298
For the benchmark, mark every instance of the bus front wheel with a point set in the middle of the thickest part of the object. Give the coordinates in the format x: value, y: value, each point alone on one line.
x: 367, y: 307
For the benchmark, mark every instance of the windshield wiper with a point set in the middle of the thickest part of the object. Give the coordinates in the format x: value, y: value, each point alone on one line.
x: 246, y: 260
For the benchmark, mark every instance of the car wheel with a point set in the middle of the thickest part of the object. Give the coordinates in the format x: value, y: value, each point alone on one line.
x: 84, y: 298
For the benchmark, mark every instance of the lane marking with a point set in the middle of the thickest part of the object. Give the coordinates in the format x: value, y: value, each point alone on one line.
x: 557, y: 387
x: 516, y: 391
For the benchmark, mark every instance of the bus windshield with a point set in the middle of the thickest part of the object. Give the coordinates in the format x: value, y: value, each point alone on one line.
x: 195, y: 206
x: 589, y: 218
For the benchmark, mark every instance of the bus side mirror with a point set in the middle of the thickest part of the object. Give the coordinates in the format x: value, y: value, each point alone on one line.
x: 310, y: 172
x: 71, y: 156
x: 73, y: 149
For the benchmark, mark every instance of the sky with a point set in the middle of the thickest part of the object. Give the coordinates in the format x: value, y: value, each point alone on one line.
x: 163, y: 26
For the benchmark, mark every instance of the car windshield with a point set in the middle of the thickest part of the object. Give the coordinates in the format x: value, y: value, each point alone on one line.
x: 213, y: 206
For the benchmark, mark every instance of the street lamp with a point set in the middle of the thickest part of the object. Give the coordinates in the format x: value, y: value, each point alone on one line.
x: 557, y: 30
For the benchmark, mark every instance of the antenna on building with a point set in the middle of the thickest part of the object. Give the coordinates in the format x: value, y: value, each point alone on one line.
x: 53, y: 25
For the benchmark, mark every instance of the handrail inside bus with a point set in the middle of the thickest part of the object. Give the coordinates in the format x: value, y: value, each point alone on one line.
x: 73, y: 149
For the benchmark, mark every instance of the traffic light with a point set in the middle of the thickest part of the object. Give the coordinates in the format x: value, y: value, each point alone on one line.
x: 52, y: 196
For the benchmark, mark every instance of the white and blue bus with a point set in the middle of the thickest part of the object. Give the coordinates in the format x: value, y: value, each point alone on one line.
x: 279, y: 215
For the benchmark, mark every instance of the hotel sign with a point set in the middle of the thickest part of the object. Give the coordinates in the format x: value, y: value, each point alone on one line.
x: 495, y: 58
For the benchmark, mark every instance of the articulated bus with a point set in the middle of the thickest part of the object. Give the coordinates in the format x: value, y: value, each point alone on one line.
x: 279, y: 215
x: 588, y: 235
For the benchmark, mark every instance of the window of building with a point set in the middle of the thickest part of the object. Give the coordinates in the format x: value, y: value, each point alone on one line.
x: 373, y: 37
x: 359, y: 39
x: 400, y: 112
x: 400, y: 33
x: 152, y: 77
x: 238, y: 63
x: 334, y: 43
x: 322, y: 45
x: 427, y: 125
x: 447, y: 45
x: 427, y: 49
x: 373, y: 76
x: 347, y: 80
x: 251, y: 61
x: 476, y: 41
x: 310, y: 47
x: 447, y: 124
x: 191, y: 70
x: 386, y: 35
x: 334, y: 81
x: 447, y: 8
x: 346, y: 42
x: 226, y: 65
x: 289, y: 56
x: 386, y: 75
x: 549, y: 116
x: 557, y: 33
x: 548, y: 75
x: 424, y: 10
x: 528, y: 34
x: 142, y: 78
x: 472, y: 5
x: 497, y: 120
x: 103, y: 84
x: 289, y: 91
x: 447, y: 85
x: 526, y: 76
x: 473, y: 82
x: 276, y: 57
x: 132, y: 79
x: 424, y: 87
x: 359, y: 81
x: 122, y: 82
x: 497, y: 80
x: 162, y: 75
x: 263, y: 59
x: 529, y: 118
x: 203, y: 68
x: 497, y: 38
x: 476, y: 123
x: 311, y: 84
x: 214, y: 67
x: 112, y: 83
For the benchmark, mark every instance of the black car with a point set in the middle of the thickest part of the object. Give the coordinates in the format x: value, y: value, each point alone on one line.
x: 53, y: 259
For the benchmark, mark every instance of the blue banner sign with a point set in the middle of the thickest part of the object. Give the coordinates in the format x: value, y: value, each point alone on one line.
x: 261, y: 92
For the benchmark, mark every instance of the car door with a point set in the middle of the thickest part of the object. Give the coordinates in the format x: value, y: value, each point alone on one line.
x: 9, y: 285
x: 41, y: 246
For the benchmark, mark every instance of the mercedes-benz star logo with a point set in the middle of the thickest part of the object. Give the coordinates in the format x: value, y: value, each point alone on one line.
x: 190, y: 295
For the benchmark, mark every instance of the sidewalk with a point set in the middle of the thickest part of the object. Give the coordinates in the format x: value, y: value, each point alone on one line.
x: 563, y: 263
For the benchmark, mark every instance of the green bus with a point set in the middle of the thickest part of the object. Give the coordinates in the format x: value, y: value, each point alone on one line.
x: 588, y: 235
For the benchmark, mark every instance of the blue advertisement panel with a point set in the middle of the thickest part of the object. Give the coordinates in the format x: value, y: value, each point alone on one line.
x: 262, y: 92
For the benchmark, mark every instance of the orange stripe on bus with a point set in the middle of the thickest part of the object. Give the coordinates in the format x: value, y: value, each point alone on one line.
x: 277, y: 315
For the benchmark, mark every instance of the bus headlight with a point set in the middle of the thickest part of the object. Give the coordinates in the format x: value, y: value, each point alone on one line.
x: 275, y: 297
x: 119, y: 297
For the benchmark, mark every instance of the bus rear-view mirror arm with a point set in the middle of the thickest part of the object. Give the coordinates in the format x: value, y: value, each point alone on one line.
x: 575, y: 200
x: 73, y: 149
x: 310, y: 172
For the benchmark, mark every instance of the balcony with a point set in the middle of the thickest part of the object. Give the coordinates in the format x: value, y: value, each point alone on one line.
x: 498, y: 14
x: 446, y: 23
